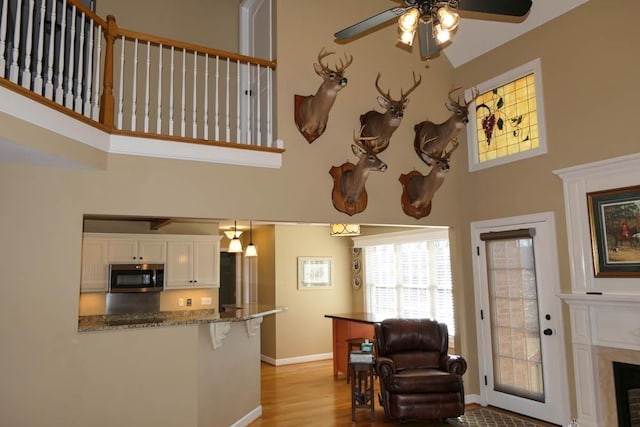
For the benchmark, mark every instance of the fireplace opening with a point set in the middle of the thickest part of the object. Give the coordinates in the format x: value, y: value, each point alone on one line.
x: 627, y: 383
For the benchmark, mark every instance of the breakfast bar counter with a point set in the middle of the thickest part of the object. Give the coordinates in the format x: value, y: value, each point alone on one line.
x: 105, y: 322
x: 347, y: 326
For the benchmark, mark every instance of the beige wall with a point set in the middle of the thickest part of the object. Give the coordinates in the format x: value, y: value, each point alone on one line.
x: 46, y: 364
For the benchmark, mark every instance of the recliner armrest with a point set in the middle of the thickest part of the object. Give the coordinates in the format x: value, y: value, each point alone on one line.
x: 456, y: 364
x: 385, y: 366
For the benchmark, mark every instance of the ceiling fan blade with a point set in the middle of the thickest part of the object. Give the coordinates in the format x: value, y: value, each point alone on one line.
x: 369, y: 23
x: 497, y: 7
x: 428, y: 45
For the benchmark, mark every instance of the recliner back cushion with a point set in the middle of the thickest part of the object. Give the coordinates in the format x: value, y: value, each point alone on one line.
x: 412, y: 343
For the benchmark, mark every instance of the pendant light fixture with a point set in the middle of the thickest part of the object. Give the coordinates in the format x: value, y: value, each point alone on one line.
x: 235, y: 245
x: 251, y: 248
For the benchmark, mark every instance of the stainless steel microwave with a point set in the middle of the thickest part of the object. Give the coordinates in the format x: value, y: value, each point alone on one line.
x: 136, y: 278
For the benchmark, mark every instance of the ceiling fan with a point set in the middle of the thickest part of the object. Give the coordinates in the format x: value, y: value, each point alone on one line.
x: 435, y: 20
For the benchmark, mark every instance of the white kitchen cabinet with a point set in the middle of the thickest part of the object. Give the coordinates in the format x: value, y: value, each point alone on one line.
x: 193, y: 262
x: 135, y: 250
x: 95, y: 265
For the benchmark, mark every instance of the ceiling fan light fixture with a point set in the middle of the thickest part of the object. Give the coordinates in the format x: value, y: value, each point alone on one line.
x: 409, y: 20
x: 448, y: 18
x: 441, y: 35
x: 407, y: 37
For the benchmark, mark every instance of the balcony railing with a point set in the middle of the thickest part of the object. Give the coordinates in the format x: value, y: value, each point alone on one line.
x: 134, y: 84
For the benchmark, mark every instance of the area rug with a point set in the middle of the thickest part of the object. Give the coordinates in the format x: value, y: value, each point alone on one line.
x: 484, y: 417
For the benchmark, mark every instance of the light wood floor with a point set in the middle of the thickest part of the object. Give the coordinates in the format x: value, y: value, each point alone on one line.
x: 307, y: 394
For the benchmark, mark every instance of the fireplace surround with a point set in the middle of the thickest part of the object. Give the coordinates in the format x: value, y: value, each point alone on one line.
x: 604, y: 311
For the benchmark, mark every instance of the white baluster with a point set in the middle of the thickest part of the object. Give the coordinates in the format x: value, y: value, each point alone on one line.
x: 205, y: 125
x: 269, y: 104
x: 194, y: 130
x: 96, y: 87
x: 182, y: 100
x: 80, y: 81
x: 13, y: 68
x: 228, y: 125
x: 134, y: 89
x: 68, y: 102
x: 121, y: 87
x: 159, y: 113
x: 48, y: 87
x: 146, y: 91
x: 238, y: 101
x: 63, y: 26
x: 171, y: 93
x: 248, y: 94
x: 258, y: 109
x: 37, y: 82
x: 3, y: 36
x: 89, y: 60
x: 217, y: 106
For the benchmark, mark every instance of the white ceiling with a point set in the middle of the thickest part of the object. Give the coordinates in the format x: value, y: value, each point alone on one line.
x: 477, y: 36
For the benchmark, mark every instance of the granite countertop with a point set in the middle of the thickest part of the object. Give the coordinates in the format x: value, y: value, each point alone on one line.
x: 104, y: 322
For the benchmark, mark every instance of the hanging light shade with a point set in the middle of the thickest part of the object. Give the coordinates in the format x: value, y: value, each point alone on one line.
x: 407, y: 25
x: 251, y: 248
x: 235, y: 245
x: 448, y: 18
x: 345, y: 229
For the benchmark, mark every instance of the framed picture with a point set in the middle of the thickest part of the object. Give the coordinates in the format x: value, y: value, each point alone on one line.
x: 314, y: 272
x: 614, y: 218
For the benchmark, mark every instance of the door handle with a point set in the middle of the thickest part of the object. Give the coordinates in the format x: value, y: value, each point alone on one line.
x: 548, y: 331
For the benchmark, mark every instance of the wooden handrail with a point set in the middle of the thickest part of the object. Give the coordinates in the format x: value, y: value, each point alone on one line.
x: 195, y: 48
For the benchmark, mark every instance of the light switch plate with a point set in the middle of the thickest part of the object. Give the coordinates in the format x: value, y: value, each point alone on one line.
x: 205, y: 301
x: 181, y: 302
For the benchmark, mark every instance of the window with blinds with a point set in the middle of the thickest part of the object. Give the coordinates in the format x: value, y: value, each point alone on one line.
x: 410, y: 277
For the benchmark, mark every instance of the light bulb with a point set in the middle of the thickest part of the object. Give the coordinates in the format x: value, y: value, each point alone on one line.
x: 448, y: 18
x: 407, y: 37
x: 442, y: 35
x: 409, y: 20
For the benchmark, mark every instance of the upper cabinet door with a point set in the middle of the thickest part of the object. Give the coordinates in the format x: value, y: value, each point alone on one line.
x: 95, y: 265
x: 123, y: 250
x: 152, y: 251
x: 206, y: 264
x: 179, y: 271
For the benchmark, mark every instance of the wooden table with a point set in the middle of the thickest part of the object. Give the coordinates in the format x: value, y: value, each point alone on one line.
x: 345, y: 326
x: 362, y: 388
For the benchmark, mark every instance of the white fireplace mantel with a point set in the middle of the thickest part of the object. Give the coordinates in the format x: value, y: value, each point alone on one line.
x: 604, y: 312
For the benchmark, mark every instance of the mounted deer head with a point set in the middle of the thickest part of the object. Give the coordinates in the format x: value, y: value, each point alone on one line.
x: 421, y: 189
x: 384, y: 124
x: 348, y: 194
x: 431, y: 139
x: 312, y: 112
x: 353, y: 181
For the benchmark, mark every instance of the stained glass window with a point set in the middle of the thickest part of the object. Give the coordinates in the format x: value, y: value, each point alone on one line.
x: 507, y: 123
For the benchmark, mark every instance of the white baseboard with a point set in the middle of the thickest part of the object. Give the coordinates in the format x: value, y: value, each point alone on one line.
x: 294, y: 360
x: 249, y: 418
x: 472, y: 398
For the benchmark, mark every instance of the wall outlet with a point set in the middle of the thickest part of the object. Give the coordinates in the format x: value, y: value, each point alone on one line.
x: 180, y: 302
x: 205, y: 300
x: 188, y: 302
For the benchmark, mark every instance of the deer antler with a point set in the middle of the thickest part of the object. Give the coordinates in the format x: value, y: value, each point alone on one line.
x: 388, y: 94
x: 457, y: 101
x: 416, y: 83
x: 364, y: 142
x: 475, y: 93
x: 343, y: 66
x: 447, y: 154
x: 321, y: 55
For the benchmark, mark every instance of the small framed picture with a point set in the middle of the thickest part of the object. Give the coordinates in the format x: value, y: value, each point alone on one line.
x: 614, y: 218
x: 314, y: 273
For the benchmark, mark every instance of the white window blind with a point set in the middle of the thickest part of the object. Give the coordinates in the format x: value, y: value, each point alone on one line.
x: 408, y: 274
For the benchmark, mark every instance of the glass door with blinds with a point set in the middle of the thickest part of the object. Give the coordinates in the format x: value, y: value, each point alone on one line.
x: 521, y: 348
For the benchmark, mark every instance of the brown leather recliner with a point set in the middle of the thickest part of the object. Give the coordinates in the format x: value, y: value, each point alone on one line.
x: 418, y: 378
